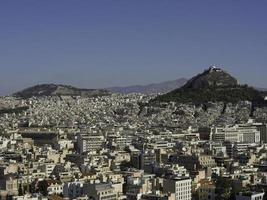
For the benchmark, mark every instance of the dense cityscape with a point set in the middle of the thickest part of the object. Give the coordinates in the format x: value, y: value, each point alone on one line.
x: 126, y: 146
x: 133, y: 100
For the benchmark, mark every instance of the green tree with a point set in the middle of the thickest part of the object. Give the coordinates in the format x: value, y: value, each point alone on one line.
x: 223, y: 188
x: 42, y: 186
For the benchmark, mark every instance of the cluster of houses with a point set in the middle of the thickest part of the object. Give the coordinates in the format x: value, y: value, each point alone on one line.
x: 105, y: 148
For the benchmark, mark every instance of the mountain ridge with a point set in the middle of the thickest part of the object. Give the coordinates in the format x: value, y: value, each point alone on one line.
x: 153, y: 88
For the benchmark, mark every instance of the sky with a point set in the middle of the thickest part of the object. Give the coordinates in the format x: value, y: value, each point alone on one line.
x: 103, y: 43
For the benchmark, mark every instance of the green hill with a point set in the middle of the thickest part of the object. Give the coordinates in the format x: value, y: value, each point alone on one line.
x: 59, y: 90
x: 213, y: 85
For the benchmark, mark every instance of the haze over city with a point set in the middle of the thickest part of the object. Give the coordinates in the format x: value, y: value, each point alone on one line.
x: 96, y: 44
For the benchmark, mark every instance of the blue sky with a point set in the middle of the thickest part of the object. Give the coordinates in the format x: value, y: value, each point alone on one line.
x: 105, y: 43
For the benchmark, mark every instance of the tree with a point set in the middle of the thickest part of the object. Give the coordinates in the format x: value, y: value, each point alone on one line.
x: 223, y: 188
x: 20, y: 190
x: 42, y: 187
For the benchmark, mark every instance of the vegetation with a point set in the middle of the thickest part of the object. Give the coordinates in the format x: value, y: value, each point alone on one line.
x: 42, y: 187
x: 59, y: 90
x: 223, y: 188
x: 225, y: 94
x: 14, y: 110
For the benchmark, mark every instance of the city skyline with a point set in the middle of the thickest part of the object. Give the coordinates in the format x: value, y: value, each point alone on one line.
x: 133, y: 100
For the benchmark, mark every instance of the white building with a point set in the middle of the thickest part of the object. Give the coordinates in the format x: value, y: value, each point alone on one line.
x: 73, y: 189
x: 55, y: 189
x: 89, y: 142
x: 250, y: 196
x: 180, y: 187
x: 237, y: 133
x: 47, y: 168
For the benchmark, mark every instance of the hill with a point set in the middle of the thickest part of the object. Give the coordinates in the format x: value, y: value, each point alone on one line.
x: 212, y: 77
x: 213, y: 85
x: 59, y: 90
x: 155, y: 88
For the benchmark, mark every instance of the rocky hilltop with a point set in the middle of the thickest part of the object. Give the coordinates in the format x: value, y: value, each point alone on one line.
x: 58, y: 90
x: 213, y: 85
x: 212, y: 77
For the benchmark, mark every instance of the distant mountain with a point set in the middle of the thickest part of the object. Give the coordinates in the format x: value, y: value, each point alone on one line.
x: 213, y: 85
x: 261, y: 89
x: 155, y: 88
x: 59, y: 90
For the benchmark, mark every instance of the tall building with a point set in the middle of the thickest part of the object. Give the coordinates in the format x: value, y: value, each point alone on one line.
x: 180, y: 186
x: 147, y: 160
x: 88, y: 142
x: 263, y: 132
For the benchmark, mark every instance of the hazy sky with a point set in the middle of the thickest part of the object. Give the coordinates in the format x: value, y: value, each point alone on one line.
x: 104, y: 43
